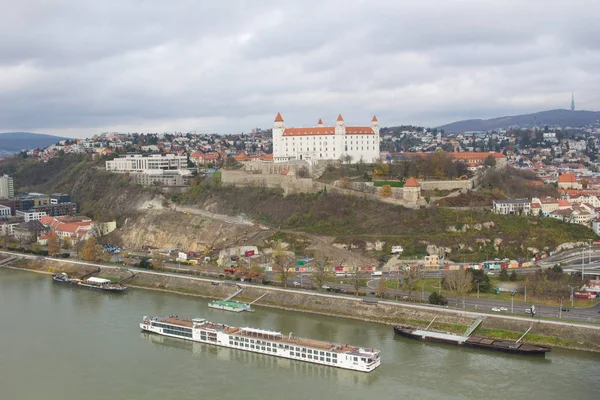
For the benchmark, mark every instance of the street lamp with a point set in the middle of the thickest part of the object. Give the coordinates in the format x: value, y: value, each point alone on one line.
x: 477, y: 289
x: 560, y: 309
x: 512, y: 302
x: 572, y: 289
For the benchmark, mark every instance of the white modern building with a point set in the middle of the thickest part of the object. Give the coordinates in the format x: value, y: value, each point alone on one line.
x: 30, y: 215
x: 512, y: 206
x: 7, y: 188
x: 325, y: 142
x: 139, y: 163
x: 162, y: 177
x: 4, y: 211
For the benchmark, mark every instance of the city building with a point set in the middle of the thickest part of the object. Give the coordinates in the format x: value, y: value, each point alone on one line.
x: 568, y: 181
x: 545, y: 205
x: 139, y: 163
x: 473, y: 159
x: 325, y: 142
x: 57, y: 198
x: 7, y: 188
x: 30, y: 215
x: 162, y: 178
x: 7, y: 226
x: 5, y: 211
x: 55, y: 210
x: 512, y: 206
x: 28, y: 231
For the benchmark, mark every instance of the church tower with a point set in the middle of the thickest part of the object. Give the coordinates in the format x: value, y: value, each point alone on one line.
x: 375, y: 127
x: 278, y: 128
x: 340, y: 129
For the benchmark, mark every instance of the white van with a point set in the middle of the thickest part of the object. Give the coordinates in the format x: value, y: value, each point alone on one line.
x: 376, y: 273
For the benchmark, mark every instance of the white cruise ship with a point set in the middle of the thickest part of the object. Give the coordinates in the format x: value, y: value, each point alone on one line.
x: 265, y: 342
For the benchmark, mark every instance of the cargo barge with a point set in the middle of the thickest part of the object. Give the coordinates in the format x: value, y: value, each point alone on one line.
x: 265, y: 342
x: 505, y: 346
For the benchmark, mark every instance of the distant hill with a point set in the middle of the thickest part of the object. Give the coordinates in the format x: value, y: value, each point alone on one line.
x: 13, y: 142
x: 551, y: 117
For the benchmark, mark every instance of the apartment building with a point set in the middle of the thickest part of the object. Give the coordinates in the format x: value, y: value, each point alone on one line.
x: 512, y: 206
x: 139, y: 163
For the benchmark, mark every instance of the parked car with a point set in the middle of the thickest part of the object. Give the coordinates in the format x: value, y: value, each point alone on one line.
x: 565, y: 309
x: 496, y: 309
x: 325, y: 287
x: 296, y: 283
x: 503, y: 309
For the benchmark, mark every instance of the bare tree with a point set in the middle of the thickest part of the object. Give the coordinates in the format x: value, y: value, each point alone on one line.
x: 459, y: 283
x: 321, y: 272
x: 284, y: 263
x: 303, y: 172
x: 412, y: 278
x: 382, y: 286
x: 99, y: 231
x: 359, y: 279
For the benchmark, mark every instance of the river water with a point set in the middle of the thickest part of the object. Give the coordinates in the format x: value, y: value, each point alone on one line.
x: 66, y: 343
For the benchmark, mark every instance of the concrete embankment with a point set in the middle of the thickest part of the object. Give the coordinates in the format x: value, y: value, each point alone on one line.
x: 554, y: 333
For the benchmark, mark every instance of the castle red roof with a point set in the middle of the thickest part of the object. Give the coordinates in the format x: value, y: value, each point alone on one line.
x: 412, y: 182
x: 278, y: 118
x: 567, y: 178
x: 339, y: 118
x: 327, y: 130
x: 374, y: 119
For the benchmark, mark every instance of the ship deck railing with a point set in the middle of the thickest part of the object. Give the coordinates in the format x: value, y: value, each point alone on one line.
x: 272, y: 336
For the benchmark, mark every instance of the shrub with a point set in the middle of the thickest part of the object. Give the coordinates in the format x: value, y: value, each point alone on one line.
x: 437, y: 299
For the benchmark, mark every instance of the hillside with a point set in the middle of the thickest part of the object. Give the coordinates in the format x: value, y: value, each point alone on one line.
x: 144, y: 215
x: 501, y: 184
x: 13, y: 142
x: 98, y: 193
x: 550, y: 117
x: 469, y: 235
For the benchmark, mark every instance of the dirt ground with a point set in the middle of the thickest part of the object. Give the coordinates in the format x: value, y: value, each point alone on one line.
x: 198, y: 230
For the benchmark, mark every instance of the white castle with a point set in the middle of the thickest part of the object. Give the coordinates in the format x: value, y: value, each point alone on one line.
x: 325, y: 142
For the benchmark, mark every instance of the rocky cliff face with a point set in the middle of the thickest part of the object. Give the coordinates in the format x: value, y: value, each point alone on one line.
x: 168, y: 229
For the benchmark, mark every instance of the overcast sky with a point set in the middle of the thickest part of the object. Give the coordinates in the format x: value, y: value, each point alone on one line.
x: 76, y: 68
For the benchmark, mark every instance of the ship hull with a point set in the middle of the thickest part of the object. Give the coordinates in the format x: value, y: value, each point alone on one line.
x: 477, y: 343
x: 82, y: 285
x: 237, y: 341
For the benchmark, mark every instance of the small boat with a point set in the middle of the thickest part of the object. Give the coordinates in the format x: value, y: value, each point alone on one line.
x: 505, y: 346
x: 92, y: 283
x: 232, y: 305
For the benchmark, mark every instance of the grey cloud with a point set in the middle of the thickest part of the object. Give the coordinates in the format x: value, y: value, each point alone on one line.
x: 94, y: 65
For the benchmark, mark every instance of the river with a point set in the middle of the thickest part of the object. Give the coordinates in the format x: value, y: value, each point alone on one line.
x: 66, y: 343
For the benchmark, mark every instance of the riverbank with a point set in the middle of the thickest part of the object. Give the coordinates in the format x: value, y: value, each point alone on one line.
x: 565, y: 335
